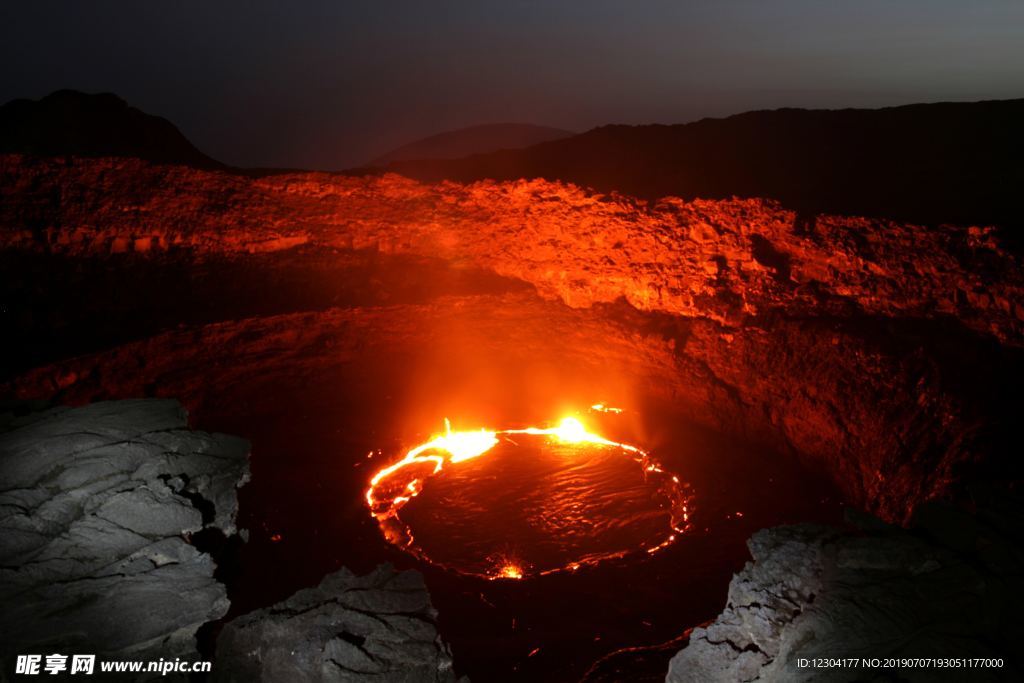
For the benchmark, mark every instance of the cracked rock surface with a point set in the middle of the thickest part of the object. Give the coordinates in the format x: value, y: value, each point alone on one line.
x: 721, y: 260
x: 98, y: 509
x: 376, y: 627
x: 944, y: 589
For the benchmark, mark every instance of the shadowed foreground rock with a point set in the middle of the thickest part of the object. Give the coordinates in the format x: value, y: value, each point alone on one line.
x: 946, y: 589
x: 376, y: 627
x: 98, y: 508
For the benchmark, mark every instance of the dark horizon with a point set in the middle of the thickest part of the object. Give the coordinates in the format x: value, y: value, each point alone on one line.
x: 331, y: 86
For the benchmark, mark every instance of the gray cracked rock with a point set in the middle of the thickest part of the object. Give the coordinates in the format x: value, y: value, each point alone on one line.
x: 98, y: 506
x: 946, y: 588
x: 378, y: 627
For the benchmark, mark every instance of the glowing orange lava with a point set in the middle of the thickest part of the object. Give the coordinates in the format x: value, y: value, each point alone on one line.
x: 393, y: 486
x: 602, y: 408
x: 509, y: 571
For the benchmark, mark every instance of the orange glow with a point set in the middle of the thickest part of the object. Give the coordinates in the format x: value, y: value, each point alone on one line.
x: 571, y: 430
x: 509, y: 570
x: 602, y: 408
x: 393, y: 486
x: 459, y: 446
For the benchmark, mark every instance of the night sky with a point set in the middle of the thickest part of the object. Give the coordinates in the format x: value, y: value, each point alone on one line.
x: 332, y: 84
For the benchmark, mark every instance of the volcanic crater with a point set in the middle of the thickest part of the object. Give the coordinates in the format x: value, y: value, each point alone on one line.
x: 780, y: 366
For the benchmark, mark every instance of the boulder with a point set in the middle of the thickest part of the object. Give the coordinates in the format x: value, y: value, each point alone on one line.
x: 378, y: 627
x: 944, y: 589
x: 100, y: 511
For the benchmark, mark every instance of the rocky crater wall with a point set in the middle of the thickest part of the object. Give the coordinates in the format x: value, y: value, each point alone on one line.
x: 887, y: 353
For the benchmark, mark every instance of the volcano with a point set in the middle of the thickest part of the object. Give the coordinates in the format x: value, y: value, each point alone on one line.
x: 639, y: 373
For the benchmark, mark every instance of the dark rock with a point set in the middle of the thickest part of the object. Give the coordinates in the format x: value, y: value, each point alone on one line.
x: 376, y: 627
x: 68, y: 122
x: 817, y: 592
x: 97, y: 508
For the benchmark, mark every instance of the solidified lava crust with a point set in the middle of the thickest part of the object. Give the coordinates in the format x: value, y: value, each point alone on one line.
x: 722, y: 260
x: 886, y: 353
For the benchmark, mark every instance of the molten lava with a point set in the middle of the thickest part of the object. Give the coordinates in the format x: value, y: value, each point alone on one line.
x: 509, y: 571
x: 581, y: 501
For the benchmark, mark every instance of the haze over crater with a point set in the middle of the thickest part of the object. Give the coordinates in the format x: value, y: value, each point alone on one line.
x: 331, y: 85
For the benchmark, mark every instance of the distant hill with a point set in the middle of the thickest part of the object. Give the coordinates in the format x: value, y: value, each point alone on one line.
x: 68, y: 122
x: 944, y: 162
x: 473, y: 140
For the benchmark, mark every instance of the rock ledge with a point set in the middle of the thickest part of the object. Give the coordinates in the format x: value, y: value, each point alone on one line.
x: 944, y: 589
x: 378, y: 627
x: 99, y: 507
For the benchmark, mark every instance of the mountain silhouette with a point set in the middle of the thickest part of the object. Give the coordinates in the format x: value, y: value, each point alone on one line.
x: 68, y: 122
